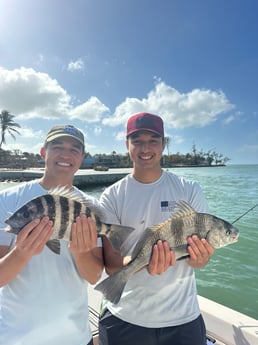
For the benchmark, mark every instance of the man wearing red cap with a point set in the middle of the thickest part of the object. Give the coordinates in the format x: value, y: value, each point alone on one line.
x: 159, y: 303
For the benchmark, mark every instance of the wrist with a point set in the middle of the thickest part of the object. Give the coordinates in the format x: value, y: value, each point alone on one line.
x: 20, y: 255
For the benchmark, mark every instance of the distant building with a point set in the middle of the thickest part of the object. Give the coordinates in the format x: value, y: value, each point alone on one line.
x: 88, y: 163
x: 111, y: 161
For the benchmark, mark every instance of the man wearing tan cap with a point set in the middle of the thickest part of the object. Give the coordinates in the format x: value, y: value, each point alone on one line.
x: 43, y: 296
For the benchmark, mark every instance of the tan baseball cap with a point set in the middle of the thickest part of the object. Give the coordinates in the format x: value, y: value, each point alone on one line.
x: 65, y: 131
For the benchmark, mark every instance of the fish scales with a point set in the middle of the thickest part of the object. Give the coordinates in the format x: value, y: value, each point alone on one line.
x: 65, y: 213
x: 184, y: 222
x: 62, y: 206
x: 63, y: 216
x: 40, y: 205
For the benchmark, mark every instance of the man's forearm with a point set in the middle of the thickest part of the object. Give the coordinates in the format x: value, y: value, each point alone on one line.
x: 10, y: 265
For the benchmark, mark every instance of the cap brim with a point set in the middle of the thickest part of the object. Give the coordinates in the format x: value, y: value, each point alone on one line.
x: 56, y: 136
x: 143, y: 130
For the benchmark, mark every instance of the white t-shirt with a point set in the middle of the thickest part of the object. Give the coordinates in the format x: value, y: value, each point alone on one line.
x: 47, y: 302
x: 161, y: 300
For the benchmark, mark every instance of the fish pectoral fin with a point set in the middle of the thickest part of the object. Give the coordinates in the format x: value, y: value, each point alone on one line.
x: 54, y: 245
x: 181, y: 252
x: 118, y: 235
x: 183, y: 257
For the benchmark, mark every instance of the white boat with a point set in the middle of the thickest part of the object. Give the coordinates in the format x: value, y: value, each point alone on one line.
x: 224, y: 326
x: 227, y: 326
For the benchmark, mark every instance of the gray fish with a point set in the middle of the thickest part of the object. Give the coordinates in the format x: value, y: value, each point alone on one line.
x: 184, y: 222
x: 62, y: 206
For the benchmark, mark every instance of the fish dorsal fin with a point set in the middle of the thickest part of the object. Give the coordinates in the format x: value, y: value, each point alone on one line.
x: 67, y: 192
x: 158, y: 226
x: 182, y: 209
x: 75, y: 195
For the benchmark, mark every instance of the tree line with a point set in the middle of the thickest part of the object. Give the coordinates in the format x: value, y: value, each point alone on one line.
x: 23, y: 160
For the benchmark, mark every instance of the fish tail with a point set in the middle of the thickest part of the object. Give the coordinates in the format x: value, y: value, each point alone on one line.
x: 112, y: 287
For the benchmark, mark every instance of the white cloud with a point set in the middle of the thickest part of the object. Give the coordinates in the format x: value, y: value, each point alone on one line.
x: 39, y: 61
x: 27, y: 134
x: 28, y: 94
x: 30, y: 133
x: 177, y: 139
x: 120, y: 136
x: 228, y: 120
x: 90, y: 111
x: 97, y: 130
x: 77, y: 65
x: 196, y: 108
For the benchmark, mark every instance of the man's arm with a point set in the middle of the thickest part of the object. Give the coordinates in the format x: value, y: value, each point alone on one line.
x: 88, y: 257
x: 28, y: 243
x: 113, y: 260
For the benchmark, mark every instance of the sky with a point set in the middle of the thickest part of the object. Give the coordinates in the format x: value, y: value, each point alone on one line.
x: 93, y: 63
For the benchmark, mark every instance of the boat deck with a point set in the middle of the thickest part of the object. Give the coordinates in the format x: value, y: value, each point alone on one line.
x: 224, y: 325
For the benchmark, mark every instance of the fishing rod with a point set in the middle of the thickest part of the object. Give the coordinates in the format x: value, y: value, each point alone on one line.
x: 250, y: 209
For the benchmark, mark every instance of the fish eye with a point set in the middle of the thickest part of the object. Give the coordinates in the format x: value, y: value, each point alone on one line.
x: 26, y: 214
x: 228, y: 232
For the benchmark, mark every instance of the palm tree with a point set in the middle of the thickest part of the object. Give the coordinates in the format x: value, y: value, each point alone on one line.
x: 167, y: 142
x: 7, y: 125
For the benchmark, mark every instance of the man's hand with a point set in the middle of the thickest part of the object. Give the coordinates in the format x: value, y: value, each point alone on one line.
x: 88, y: 257
x: 200, y: 252
x: 29, y: 242
x: 33, y: 237
x: 84, y: 235
x: 162, y: 257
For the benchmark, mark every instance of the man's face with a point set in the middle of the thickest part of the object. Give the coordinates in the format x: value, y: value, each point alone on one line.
x: 63, y: 155
x: 145, y: 149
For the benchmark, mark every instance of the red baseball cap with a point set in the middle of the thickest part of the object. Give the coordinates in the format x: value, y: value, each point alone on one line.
x: 145, y: 122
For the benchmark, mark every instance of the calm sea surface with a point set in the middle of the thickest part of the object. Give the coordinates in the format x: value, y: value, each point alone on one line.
x: 231, y: 277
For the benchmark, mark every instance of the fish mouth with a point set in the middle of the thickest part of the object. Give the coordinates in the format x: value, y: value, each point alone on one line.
x: 235, y: 238
x: 10, y: 228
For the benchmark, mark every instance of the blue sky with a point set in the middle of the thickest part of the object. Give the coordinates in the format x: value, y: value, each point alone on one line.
x: 93, y: 63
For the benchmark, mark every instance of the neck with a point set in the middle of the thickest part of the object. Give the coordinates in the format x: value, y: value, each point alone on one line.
x: 147, y: 175
x: 51, y: 182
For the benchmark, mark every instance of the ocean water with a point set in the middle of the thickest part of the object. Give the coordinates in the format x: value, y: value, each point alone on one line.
x: 231, y: 277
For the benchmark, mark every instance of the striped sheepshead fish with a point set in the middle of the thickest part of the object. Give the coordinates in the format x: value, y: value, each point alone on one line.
x: 184, y: 222
x: 62, y: 206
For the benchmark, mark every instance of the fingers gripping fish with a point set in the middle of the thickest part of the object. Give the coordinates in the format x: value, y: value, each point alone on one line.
x: 62, y: 206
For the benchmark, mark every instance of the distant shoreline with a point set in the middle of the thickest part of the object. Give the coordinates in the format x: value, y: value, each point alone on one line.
x: 82, y: 176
